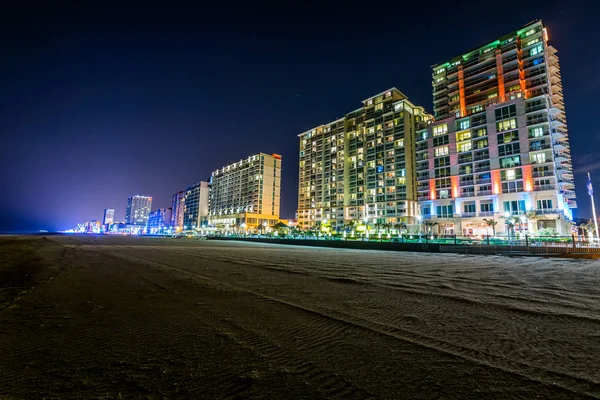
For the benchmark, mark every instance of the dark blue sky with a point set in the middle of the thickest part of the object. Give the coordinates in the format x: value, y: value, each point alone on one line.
x: 98, y: 103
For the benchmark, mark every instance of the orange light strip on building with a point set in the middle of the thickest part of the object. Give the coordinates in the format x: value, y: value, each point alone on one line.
x: 521, y: 70
x: 500, y: 73
x: 527, y: 178
x: 496, y: 186
x: 432, y: 189
x: 461, y: 91
x: 455, y: 186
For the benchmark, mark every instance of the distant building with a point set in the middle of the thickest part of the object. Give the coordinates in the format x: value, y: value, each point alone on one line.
x: 178, y: 209
x: 109, y: 216
x: 196, y: 205
x: 246, y: 194
x: 159, y: 220
x: 138, y: 208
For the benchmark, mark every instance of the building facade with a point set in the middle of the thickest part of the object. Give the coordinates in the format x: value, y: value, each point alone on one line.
x: 362, y: 167
x: 499, y: 149
x: 109, y: 216
x: 137, y: 210
x: 196, y: 205
x: 246, y: 194
x: 159, y: 220
x: 178, y: 210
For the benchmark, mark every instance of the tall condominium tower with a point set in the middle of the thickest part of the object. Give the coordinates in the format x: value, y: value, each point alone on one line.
x: 362, y: 166
x: 246, y: 193
x: 499, y: 146
x: 178, y: 209
x: 138, y: 208
x: 195, y: 205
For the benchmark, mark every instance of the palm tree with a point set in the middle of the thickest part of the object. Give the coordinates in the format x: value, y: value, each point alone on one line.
x: 429, y: 227
x: 588, y: 227
x: 531, y: 216
x: 510, y: 223
x: 491, y: 223
x: 378, y: 225
x: 400, y: 226
x: 387, y: 227
x: 350, y: 225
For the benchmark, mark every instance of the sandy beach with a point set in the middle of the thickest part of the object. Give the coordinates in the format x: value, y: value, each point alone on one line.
x: 129, y: 317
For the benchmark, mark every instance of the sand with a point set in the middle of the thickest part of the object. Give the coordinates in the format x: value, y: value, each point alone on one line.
x: 127, y: 317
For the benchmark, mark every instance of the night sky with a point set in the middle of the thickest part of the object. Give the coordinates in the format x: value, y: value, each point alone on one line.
x: 99, y: 103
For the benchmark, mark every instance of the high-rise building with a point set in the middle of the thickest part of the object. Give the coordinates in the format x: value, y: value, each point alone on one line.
x: 361, y: 167
x: 109, y: 216
x: 178, y: 209
x: 500, y: 146
x: 246, y: 193
x: 196, y: 205
x: 138, y: 208
x: 158, y: 220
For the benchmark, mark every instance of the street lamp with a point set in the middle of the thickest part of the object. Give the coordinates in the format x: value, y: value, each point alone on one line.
x: 419, y: 218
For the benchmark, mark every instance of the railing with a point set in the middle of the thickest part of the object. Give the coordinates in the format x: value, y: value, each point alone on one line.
x: 540, y: 147
x: 543, y: 187
x: 535, y: 108
x: 542, y: 174
x: 533, y: 121
x: 484, y: 193
x: 514, y: 242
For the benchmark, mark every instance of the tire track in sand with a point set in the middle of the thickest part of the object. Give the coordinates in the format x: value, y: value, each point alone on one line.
x: 566, y: 381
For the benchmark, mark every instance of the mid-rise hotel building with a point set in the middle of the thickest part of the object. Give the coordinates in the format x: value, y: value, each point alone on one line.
x: 195, y: 205
x: 246, y: 194
x: 361, y: 166
x: 137, y: 210
x: 178, y: 210
x: 499, y: 146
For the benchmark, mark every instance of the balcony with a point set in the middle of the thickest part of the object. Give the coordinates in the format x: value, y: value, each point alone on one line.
x: 541, y: 174
x: 535, y: 121
x: 537, y: 147
x: 482, y: 169
x: 548, y: 211
x: 538, y: 107
x: 539, y: 188
x: 467, y: 194
x: 484, y: 180
x: 484, y: 193
x: 486, y: 214
x: 467, y: 182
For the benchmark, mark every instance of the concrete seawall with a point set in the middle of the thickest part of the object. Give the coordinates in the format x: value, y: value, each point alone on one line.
x: 432, y: 247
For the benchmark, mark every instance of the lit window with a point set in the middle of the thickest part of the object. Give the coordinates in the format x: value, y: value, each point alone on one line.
x: 440, y: 129
x: 536, y: 50
x: 441, y: 151
x: 510, y: 174
x: 506, y: 125
x: 464, y: 124
x: 538, y: 158
x: 536, y: 132
x: 463, y: 136
x: 464, y: 147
